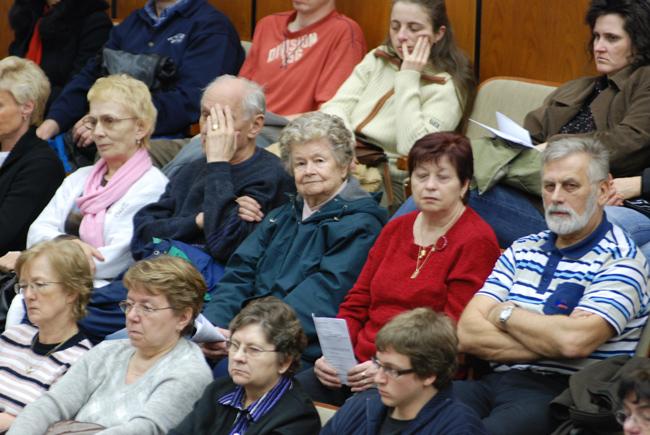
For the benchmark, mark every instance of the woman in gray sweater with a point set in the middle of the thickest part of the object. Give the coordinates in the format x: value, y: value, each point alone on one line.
x: 144, y: 385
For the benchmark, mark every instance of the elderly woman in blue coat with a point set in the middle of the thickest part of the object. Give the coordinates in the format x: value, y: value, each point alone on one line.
x: 309, y: 251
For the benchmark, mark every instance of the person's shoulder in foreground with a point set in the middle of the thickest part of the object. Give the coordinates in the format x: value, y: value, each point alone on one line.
x: 443, y: 414
x: 294, y: 413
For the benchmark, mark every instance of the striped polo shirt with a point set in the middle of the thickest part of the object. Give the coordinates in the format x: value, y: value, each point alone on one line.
x: 255, y: 410
x: 604, y: 274
x: 26, y: 374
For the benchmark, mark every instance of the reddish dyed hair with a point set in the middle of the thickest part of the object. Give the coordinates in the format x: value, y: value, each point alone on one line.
x: 434, y: 146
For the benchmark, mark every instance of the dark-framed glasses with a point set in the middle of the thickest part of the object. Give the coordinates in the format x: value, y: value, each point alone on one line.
x: 250, y: 351
x: 36, y: 287
x: 140, y: 309
x: 390, y: 371
x: 108, y: 121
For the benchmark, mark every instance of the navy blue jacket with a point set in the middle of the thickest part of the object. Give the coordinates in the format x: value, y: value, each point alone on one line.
x: 364, y: 413
x: 212, y: 188
x: 203, y: 44
x: 309, y: 264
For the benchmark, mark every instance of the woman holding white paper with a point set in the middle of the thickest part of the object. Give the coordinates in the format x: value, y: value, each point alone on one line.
x: 437, y: 257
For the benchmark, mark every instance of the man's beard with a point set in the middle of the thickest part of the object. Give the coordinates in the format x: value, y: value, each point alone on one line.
x: 563, y: 226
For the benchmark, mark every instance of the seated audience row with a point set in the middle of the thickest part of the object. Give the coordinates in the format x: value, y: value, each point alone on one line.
x: 146, y: 384
x: 611, y: 107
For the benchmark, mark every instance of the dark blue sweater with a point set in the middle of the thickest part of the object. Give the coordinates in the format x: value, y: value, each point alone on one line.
x: 212, y: 188
x: 202, y: 43
x: 364, y: 414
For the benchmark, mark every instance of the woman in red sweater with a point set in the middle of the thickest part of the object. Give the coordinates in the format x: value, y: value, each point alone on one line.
x: 437, y: 257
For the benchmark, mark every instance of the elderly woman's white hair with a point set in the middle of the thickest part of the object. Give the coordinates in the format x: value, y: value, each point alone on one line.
x: 315, y: 126
x: 26, y: 82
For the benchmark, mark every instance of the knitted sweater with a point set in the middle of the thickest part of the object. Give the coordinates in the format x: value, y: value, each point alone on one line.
x: 94, y: 391
x: 446, y: 282
x: 212, y: 188
x: 417, y: 107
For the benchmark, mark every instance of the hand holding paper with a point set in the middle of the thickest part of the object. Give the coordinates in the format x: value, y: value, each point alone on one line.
x: 336, y: 345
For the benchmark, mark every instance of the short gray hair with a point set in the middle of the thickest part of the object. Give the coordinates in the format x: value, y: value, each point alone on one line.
x: 25, y: 81
x: 599, y: 156
x: 254, y: 102
x: 315, y: 126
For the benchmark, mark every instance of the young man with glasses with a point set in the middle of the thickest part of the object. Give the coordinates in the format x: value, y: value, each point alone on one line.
x: 416, y: 360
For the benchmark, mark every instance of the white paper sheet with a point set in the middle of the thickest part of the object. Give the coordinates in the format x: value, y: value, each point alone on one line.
x: 206, y: 332
x: 336, y: 345
x: 509, y: 130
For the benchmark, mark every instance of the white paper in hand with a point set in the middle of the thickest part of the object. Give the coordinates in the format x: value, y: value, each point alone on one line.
x: 336, y: 345
x: 509, y: 130
x: 206, y: 331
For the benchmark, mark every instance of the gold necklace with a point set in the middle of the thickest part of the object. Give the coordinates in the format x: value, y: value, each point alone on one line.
x: 31, y: 367
x: 423, y: 255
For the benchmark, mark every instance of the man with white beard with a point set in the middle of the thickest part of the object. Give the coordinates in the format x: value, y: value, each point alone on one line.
x: 556, y: 301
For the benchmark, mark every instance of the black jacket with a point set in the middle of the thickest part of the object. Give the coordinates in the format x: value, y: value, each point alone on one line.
x: 294, y: 414
x: 28, y: 179
x: 73, y: 32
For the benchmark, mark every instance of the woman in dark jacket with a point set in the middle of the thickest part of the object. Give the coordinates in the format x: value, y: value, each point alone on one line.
x: 260, y: 397
x: 59, y: 35
x: 30, y: 172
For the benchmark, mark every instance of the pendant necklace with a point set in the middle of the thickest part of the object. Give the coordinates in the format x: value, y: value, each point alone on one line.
x: 440, y: 244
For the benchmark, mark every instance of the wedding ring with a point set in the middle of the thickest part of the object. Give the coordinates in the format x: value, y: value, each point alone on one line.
x: 215, y: 127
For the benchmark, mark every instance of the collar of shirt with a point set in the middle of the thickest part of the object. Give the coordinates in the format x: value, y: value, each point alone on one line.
x: 261, y: 406
x: 308, y: 211
x: 150, y: 9
x: 581, y: 248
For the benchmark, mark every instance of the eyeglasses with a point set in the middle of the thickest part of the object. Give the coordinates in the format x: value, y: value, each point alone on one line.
x: 391, y: 372
x: 141, y: 310
x: 109, y: 122
x: 640, y: 419
x: 36, y: 287
x: 250, y: 351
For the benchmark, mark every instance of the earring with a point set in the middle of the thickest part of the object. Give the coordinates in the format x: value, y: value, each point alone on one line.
x: 138, y: 142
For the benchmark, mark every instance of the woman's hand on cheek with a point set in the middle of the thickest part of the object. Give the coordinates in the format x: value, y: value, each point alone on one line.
x: 362, y: 376
x: 419, y: 57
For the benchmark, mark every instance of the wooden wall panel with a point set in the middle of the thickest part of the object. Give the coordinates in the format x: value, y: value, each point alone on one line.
x: 6, y: 35
x: 462, y: 15
x: 125, y: 7
x: 539, y: 39
x: 240, y: 13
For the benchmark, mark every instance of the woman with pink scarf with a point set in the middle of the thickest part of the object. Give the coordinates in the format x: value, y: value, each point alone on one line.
x: 95, y: 205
